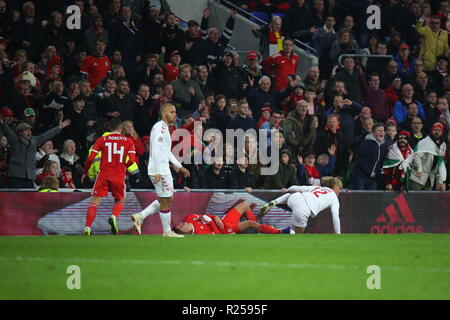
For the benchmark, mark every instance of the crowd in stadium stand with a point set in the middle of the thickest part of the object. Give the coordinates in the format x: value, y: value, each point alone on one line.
x: 379, y: 123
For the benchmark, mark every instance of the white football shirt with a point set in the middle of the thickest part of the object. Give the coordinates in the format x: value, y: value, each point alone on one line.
x: 319, y: 199
x: 160, y: 150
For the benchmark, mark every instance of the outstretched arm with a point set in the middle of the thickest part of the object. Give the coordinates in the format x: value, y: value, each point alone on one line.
x: 335, y: 214
x: 294, y: 189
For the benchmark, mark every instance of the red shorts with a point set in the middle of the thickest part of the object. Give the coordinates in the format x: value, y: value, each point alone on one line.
x: 231, y: 221
x: 102, y: 186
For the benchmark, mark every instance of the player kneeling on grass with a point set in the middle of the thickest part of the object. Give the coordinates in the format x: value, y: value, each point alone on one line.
x: 229, y: 224
x: 308, y: 201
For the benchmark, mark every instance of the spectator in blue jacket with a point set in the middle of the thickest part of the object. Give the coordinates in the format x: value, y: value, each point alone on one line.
x: 405, y: 63
x: 401, y: 106
x: 369, y: 160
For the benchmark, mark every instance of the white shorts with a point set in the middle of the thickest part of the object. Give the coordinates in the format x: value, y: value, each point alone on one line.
x: 164, y: 187
x: 300, y: 210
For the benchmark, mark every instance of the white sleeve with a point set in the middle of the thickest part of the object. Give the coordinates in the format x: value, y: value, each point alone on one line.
x: 335, y: 214
x: 301, y: 188
x: 156, y: 155
x: 174, y: 160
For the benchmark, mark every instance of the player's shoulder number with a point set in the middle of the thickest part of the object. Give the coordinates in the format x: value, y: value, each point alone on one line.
x: 318, y: 191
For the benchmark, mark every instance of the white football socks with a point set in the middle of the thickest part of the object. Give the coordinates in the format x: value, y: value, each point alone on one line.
x: 165, y: 220
x: 152, y: 208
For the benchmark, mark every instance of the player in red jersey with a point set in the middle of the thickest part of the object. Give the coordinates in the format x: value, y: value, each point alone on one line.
x: 229, y: 224
x: 117, y: 154
x: 96, y: 67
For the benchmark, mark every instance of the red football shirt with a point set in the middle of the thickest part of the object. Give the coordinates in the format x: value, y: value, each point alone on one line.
x: 281, y: 66
x: 96, y: 68
x: 201, y: 226
x: 115, y: 149
x: 171, y: 72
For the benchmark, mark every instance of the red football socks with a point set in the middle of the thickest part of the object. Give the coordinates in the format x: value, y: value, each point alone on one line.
x: 117, y: 209
x: 249, y: 215
x: 264, y: 228
x: 91, y: 213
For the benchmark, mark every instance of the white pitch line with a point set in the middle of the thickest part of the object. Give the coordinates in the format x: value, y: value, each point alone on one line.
x: 225, y: 264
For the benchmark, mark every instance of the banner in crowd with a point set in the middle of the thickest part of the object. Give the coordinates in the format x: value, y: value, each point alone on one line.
x: 29, y: 213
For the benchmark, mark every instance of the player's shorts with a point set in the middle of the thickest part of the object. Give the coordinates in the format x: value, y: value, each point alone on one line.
x: 231, y: 221
x: 164, y: 187
x: 102, y: 186
x: 300, y: 210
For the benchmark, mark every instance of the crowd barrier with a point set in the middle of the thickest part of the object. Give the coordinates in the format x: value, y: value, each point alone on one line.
x: 34, y: 213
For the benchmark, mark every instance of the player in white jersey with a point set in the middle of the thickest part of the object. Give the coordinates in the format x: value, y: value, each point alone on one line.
x: 309, y: 201
x: 160, y: 157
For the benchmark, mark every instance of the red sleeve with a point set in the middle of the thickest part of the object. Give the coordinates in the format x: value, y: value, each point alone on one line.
x: 213, y: 225
x: 109, y: 64
x: 131, y: 153
x: 85, y: 66
x: 267, y: 65
x: 40, y: 177
x: 189, y: 126
x: 138, y: 146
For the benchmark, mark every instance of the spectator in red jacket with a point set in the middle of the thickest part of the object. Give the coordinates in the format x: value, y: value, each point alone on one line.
x: 50, y: 169
x: 265, y: 116
x: 282, y: 65
x: 96, y: 67
x: 374, y: 97
x: 130, y: 132
x: 172, y: 68
x: 392, y: 93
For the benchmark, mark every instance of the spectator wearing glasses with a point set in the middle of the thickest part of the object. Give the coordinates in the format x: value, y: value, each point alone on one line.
x: 435, y: 41
x: 401, y: 107
x: 282, y: 64
x: 418, y: 68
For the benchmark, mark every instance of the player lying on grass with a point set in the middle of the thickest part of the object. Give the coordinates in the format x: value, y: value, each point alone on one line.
x: 209, y: 224
x: 308, y: 201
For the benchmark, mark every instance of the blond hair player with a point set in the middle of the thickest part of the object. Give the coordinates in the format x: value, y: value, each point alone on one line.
x: 309, y: 201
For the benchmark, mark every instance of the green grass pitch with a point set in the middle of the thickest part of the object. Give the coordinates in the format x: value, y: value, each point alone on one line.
x: 248, y: 266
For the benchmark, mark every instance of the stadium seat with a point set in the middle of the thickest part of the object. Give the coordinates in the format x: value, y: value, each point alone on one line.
x: 279, y: 14
x: 260, y: 15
